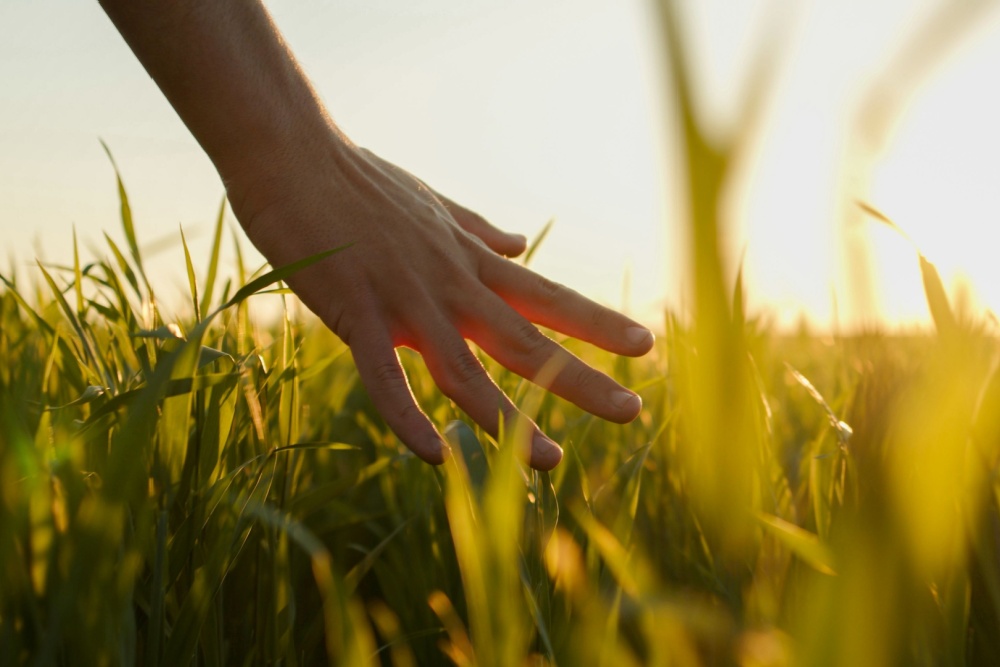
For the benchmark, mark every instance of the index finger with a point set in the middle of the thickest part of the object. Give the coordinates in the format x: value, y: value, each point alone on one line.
x: 560, y: 308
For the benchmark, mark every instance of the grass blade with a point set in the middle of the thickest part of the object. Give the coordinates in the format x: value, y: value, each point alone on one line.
x: 70, y: 315
x: 213, y: 262
x: 126, y: 212
x: 192, y: 282
x: 937, y: 299
x: 77, y: 276
x: 537, y: 241
x: 276, y: 275
x: 800, y: 542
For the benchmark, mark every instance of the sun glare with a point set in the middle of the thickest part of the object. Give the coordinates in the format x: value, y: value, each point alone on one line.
x: 939, y: 179
x: 808, y: 250
x: 530, y: 111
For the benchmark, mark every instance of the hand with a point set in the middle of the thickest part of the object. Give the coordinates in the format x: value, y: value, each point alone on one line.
x: 426, y: 273
x: 421, y: 271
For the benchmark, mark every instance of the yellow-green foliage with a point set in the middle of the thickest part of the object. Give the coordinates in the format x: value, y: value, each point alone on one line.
x: 217, y: 491
x: 212, y: 491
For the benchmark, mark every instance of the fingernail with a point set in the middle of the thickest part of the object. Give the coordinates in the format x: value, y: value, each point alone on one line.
x: 547, y: 449
x: 626, y: 400
x: 639, y: 336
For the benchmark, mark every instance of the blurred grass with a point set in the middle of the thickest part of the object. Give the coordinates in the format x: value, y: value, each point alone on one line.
x: 211, y: 491
x: 214, y: 490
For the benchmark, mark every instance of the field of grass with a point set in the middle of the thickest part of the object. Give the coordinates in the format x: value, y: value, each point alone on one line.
x: 214, y: 492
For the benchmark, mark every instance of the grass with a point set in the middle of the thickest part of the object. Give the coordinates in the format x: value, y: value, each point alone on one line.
x: 209, y: 491
x: 213, y: 490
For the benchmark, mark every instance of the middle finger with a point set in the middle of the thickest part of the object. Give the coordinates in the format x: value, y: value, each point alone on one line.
x: 520, y: 347
x: 460, y: 375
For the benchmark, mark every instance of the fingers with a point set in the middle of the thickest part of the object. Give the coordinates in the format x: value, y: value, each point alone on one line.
x: 383, y: 377
x: 497, y: 240
x: 520, y: 347
x: 557, y: 307
x: 460, y: 375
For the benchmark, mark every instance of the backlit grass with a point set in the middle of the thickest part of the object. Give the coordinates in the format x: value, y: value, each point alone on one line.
x: 210, y: 491
x: 213, y: 489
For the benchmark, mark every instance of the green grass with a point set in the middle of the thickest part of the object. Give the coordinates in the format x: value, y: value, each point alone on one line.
x: 212, y: 491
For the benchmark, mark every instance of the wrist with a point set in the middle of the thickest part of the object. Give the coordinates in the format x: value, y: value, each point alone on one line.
x: 260, y: 176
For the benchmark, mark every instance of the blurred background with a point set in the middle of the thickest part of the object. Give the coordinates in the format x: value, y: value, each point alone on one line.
x: 527, y: 111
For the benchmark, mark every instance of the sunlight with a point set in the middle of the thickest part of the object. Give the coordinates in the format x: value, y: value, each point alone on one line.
x: 939, y: 179
x: 561, y: 116
x: 936, y: 177
x: 191, y: 481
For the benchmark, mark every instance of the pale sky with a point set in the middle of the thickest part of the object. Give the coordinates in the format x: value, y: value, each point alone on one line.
x: 526, y: 110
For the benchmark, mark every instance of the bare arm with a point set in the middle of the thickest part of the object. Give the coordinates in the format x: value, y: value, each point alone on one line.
x: 423, y: 272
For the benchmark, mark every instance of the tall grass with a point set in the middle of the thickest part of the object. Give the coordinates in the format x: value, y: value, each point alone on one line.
x: 211, y: 490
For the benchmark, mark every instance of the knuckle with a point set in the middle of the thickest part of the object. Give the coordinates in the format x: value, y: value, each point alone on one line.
x: 471, y: 243
x: 528, y: 339
x: 465, y: 368
x: 584, y: 378
x: 549, y: 289
x: 510, y: 414
x: 389, y: 375
x: 598, y: 316
x: 409, y: 412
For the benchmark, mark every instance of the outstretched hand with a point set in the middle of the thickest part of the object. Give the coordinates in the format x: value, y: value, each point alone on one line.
x: 426, y: 273
x: 421, y: 271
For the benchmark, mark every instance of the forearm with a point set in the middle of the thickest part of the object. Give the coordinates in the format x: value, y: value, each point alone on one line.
x: 229, y: 75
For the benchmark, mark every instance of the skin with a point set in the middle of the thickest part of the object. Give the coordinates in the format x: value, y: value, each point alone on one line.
x: 422, y: 271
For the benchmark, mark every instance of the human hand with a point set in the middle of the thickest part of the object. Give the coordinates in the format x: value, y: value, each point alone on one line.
x: 421, y: 271
x: 426, y: 273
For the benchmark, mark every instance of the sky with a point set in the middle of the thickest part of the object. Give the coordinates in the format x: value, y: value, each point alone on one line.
x: 532, y: 110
